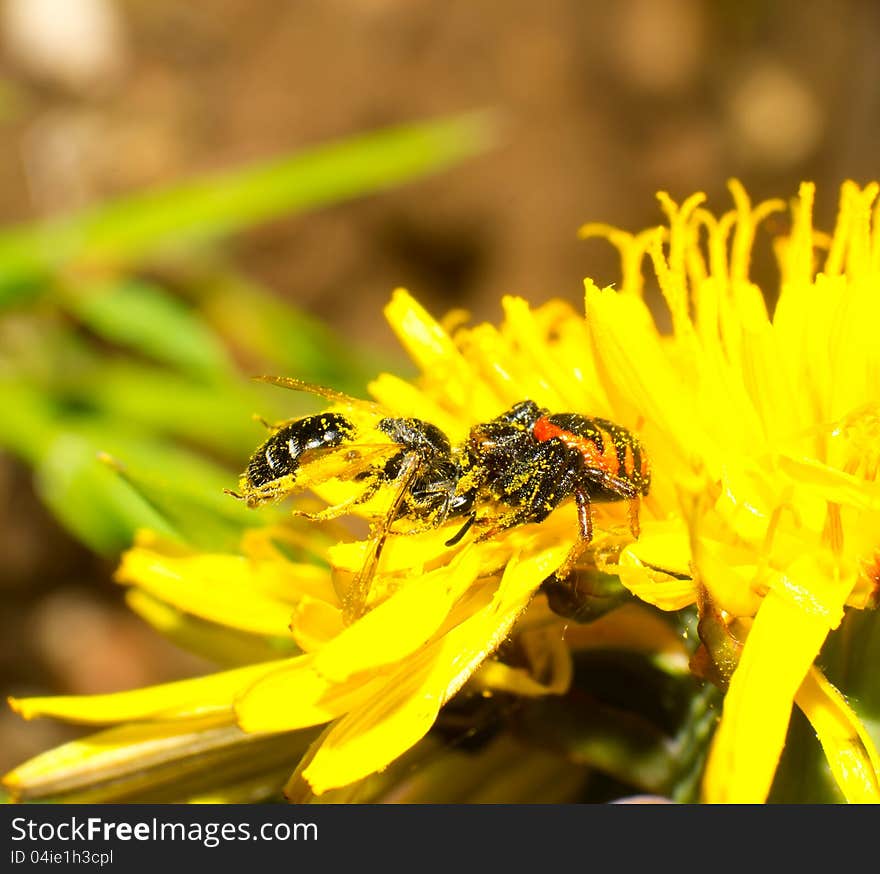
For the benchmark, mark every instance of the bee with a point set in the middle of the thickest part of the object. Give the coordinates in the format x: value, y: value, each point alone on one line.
x: 528, y: 461
x: 415, y: 459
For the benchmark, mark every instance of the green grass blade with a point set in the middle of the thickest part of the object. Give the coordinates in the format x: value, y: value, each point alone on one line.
x: 203, y: 517
x: 147, y: 319
x: 218, y: 417
x: 89, y: 500
x: 259, y: 326
x: 122, y: 232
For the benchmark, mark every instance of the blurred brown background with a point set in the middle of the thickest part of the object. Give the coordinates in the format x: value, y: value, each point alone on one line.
x: 602, y: 104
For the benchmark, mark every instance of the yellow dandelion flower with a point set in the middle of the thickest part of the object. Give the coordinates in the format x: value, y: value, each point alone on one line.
x: 762, y: 511
x: 765, y: 430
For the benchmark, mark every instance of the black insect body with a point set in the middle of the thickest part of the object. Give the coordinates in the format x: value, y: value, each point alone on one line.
x: 281, y: 455
x: 528, y: 461
x: 426, y: 473
x: 431, y: 496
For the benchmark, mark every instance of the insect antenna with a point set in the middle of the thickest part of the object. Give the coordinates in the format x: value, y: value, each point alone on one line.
x: 456, y: 538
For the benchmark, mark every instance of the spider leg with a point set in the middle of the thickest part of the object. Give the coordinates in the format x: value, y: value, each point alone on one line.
x: 355, y: 599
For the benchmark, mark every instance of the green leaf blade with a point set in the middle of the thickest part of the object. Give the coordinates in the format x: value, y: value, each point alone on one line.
x: 123, y: 232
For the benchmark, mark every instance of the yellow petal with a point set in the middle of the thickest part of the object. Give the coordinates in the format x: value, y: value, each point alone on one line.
x: 789, y: 629
x: 436, y: 355
x: 573, y: 382
x: 315, y: 623
x: 400, y: 554
x: 221, y: 645
x: 401, y: 624
x: 218, y: 588
x: 109, y: 754
x: 289, y: 581
x: 832, y: 484
x: 500, y: 368
x: 656, y: 568
x: 384, y: 727
x: 185, y: 699
x: 161, y: 761
x: 769, y: 387
x: 405, y: 399
x: 801, y: 325
x: 297, y: 696
x: 373, y: 735
x: 664, y: 545
x: 748, y: 498
x: 729, y: 573
x: 640, y: 378
x: 850, y: 751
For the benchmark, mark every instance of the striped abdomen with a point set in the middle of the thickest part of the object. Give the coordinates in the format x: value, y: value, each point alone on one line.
x: 280, y: 454
x: 603, y: 445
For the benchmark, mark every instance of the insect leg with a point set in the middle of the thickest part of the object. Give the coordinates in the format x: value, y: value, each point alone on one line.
x: 271, y: 491
x: 338, y: 510
x: 611, y: 483
x: 625, y: 490
x: 633, y: 509
x: 585, y: 514
x: 519, y: 516
x: 585, y: 530
x: 355, y: 599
